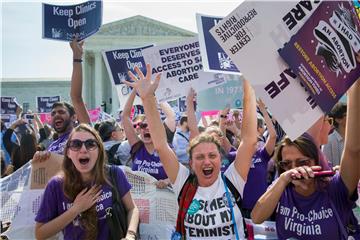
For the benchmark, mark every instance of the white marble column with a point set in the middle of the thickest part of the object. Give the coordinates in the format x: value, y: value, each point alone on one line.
x: 86, y: 79
x: 98, y: 86
x: 115, y: 100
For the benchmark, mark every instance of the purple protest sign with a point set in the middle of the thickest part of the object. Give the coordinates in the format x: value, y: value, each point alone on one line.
x: 325, y: 52
x: 44, y: 104
x: 8, y: 105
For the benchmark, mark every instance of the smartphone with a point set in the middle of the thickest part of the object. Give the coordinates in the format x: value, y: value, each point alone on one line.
x: 320, y: 174
x: 327, y: 173
x: 29, y: 116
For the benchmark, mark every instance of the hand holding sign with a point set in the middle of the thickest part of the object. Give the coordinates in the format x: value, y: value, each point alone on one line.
x: 144, y: 86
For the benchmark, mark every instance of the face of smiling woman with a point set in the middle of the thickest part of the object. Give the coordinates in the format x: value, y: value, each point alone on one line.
x: 206, y: 163
x: 84, y: 159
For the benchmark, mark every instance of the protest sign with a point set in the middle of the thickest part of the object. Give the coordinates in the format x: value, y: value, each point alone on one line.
x: 181, y: 67
x: 214, y: 58
x: 229, y: 94
x: 251, y: 36
x: 7, y: 119
x: 323, y: 52
x: 65, y: 22
x: 41, y: 172
x: 8, y: 105
x: 119, y: 62
x: 44, y: 104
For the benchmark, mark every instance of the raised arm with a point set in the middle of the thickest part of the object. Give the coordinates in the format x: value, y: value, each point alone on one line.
x: 350, y: 160
x: 145, y: 87
x: 126, y: 121
x: 248, y: 141
x: 190, y: 112
x: 271, y: 140
x: 76, y: 83
x: 170, y: 115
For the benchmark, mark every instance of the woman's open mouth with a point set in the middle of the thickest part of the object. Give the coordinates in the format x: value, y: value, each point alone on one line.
x: 84, y: 161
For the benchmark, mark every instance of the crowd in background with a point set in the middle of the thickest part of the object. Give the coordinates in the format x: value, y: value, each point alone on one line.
x: 246, y: 147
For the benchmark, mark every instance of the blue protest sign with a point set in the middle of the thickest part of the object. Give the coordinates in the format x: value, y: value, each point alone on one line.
x: 8, y: 105
x: 65, y: 22
x: 44, y: 104
x: 119, y: 62
x: 214, y: 58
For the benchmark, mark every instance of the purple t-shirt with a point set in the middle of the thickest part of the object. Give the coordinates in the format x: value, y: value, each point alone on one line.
x: 58, y: 145
x: 149, y: 163
x: 256, y: 183
x: 313, y: 217
x: 227, y: 159
x: 54, y: 203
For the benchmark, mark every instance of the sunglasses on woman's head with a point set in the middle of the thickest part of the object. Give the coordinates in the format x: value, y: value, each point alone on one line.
x: 287, y: 164
x: 76, y: 144
x: 141, y: 125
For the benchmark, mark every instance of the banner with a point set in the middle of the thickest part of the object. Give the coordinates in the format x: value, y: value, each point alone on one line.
x: 181, y: 67
x: 8, y: 105
x: 251, y: 36
x: 44, y: 104
x: 213, y: 56
x: 322, y: 53
x: 229, y: 94
x: 94, y: 114
x: 65, y: 22
x: 158, y: 207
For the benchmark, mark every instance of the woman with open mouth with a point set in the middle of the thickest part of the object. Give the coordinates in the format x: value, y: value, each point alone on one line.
x: 208, y: 200
x: 79, y: 201
x: 144, y: 156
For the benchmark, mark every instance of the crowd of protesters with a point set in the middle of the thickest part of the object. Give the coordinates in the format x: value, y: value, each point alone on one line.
x: 209, y: 166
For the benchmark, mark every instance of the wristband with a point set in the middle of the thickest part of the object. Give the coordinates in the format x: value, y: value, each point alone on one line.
x: 76, y: 60
x: 223, y: 116
x: 131, y: 233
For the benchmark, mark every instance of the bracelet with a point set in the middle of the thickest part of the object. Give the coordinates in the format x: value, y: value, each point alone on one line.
x: 77, y: 60
x: 131, y: 233
x: 223, y: 116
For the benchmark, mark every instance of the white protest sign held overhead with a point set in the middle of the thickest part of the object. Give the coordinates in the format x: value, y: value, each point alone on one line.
x: 181, y: 67
x: 251, y: 36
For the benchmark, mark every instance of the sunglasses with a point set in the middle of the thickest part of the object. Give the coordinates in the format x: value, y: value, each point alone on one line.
x: 287, y: 164
x: 141, y: 125
x: 330, y: 120
x: 76, y: 144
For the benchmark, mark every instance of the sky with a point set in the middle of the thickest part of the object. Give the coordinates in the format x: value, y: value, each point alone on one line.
x: 26, y: 55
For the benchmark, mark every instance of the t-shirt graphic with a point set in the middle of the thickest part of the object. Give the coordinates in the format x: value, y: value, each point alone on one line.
x: 313, y: 217
x: 149, y: 163
x: 54, y: 203
x: 209, y: 214
x: 59, y: 144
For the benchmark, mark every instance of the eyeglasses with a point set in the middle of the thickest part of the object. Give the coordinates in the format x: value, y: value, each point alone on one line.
x: 76, y: 144
x: 330, y: 120
x: 287, y: 164
x: 141, y: 125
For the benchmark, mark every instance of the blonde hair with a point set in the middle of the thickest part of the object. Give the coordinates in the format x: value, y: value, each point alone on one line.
x: 203, y: 138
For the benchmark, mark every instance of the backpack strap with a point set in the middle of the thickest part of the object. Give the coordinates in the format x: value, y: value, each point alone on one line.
x: 185, y: 198
x: 179, y: 133
x: 111, y: 153
x: 117, y: 224
x: 238, y: 200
